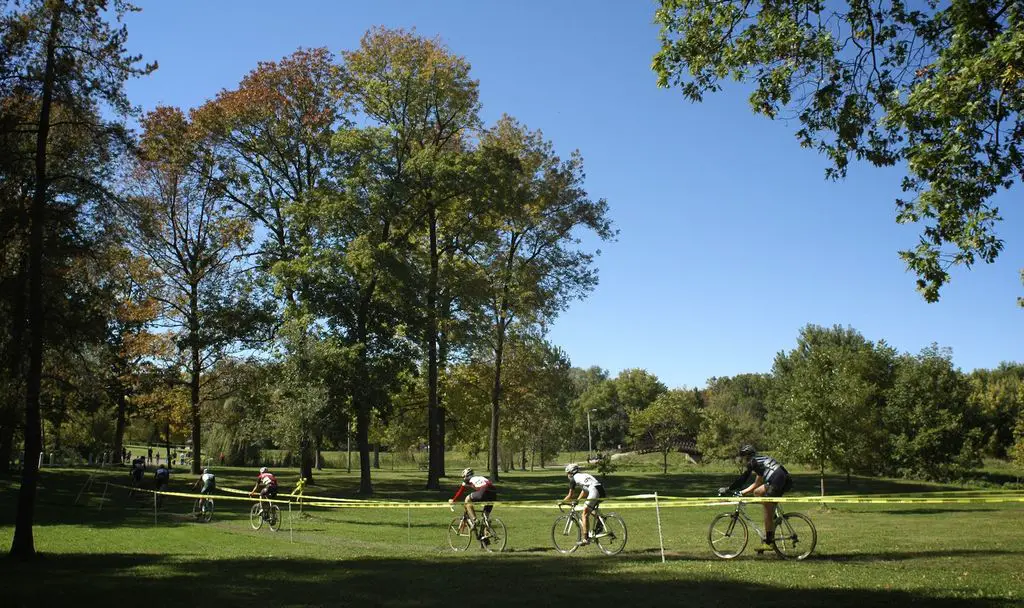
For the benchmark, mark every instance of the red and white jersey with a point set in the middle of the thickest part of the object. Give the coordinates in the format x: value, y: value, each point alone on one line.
x: 266, y: 479
x: 477, y: 482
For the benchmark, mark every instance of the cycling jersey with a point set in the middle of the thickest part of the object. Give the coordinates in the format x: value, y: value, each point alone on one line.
x: 774, y: 474
x: 583, y: 480
x: 209, y: 482
x: 162, y: 474
x: 267, y: 479
x: 479, y: 483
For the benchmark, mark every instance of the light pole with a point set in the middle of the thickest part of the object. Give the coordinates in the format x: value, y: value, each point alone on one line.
x: 590, y: 437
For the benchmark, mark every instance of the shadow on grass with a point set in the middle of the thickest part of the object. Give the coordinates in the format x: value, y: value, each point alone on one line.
x: 894, y: 556
x: 112, y: 579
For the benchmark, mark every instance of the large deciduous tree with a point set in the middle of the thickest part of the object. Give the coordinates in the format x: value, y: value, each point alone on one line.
x: 936, y: 86
x: 73, y: 61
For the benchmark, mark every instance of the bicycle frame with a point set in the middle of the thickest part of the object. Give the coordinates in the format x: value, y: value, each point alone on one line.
x: 576, y: 517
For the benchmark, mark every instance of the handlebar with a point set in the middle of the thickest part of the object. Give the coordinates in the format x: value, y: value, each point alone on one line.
x: 571, y: 505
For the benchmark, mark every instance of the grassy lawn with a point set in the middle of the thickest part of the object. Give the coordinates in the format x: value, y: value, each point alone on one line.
x: 935, y: 555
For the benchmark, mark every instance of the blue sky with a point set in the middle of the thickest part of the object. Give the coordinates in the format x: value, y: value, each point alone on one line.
x: 730, y: 238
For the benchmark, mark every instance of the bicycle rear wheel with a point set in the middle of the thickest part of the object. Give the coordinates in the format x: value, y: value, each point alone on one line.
x: 727, y: 535
x: 612, y: 536
x: 565, y: 534
x: 256, y: 517
x: 274, y: 517
x: 495, y: 536
x: 207, y: 513
x: 459, y: 541
x: 795, y: 536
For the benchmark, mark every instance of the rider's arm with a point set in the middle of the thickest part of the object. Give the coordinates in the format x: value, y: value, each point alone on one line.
x: 458, y: 493
x: 758, y: 482
x: 739, y: 483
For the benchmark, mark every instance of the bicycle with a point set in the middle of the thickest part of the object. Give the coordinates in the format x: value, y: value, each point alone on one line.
x: 271, y: 515
x: 202, y: 510
x: 795, y: 534
x: 609, y: 530
x: 488, y: 531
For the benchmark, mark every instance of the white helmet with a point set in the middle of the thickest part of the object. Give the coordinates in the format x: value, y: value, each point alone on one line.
x: 263, y: 469
x: 572, y: 468
x: 205, y: 471
x: 467, y: 472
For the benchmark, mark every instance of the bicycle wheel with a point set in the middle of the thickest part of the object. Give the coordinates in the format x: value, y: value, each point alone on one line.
x: 795, y: 536
x: 274, y: 517
x: 197, y: 509
x: 495, y: 536
x: 611, y: 537
x: 727, y: 535
x: 565, y: 534
x: 459, y: 541
x: 256, y: 517
x: 207, y: 512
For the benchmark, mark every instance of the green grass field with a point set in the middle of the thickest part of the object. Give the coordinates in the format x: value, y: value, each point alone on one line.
x: 112, y: 551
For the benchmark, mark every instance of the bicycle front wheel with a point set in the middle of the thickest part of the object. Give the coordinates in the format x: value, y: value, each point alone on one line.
x: 727, y: 535
x: 256, y: 517
x: 612, y: 536
x: 795, y: 536
x: 274, y: 517
x: 565, y: 534
x: 459, y: 541
x: 495, y: 537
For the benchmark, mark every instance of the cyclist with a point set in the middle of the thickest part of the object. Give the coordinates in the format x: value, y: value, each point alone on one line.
x: 482, y: 491
x: 771, y: 479
x: 266, y: 483
x: 163, y: 477
x: 138, y: 470
x: 589, y: 485
x: 209, y: 483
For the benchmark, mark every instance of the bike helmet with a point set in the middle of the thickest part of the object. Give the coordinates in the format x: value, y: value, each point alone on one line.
x: 264, y: 469
x: 572, y: 468
x: 467, y: 473
x: 205, y: 471
x: 747, y: 450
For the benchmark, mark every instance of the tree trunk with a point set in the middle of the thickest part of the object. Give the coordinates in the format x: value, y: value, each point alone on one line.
x: 376, y: 455
x: 522, y: 460
x: 664, y: 462
x: 436, y: 448
x: 306, y: 461
x: 23, y: 544
x: 822, y: 477
x: 119, y: 424
x: 194, y: 386
x: 499, y: 349
x: 363, y: 442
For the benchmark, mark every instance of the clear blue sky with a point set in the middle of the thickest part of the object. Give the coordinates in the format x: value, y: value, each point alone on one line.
x: 731, y: 240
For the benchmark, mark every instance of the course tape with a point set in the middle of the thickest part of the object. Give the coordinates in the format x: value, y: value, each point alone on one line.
x: 625, y: 502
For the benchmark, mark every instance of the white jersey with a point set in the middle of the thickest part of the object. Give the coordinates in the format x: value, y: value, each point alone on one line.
x: 208, y: 479
x: 583, y: 480
x: 479, y: 481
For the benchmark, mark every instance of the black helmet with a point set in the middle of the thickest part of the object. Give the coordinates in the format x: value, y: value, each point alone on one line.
x: 747, y: 450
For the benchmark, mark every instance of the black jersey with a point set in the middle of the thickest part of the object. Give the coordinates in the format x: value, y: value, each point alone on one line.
x: 765, y: 466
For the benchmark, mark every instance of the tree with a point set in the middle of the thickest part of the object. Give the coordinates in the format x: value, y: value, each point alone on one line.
x: 532, y: 265
x: 827, y: 398
x: 421, y: 94
x: 733, y: 415
x: 939, y: 88
x: 998, y: 396
x: 929, y: 425
x: 76, y: 61
x: 197, y: 242
x: 275, y: 131
x: 672, y: 418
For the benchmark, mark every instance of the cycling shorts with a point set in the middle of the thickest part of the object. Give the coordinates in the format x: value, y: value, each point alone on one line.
x: 779, y: 485
x: 593, y: 496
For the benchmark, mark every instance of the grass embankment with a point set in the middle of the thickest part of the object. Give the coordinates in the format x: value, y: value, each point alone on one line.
x: 936, y: 555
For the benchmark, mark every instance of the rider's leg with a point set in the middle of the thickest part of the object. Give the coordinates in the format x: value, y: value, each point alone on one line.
x: 769, y: 515
x: 469, y: 508
x: 586, y: 518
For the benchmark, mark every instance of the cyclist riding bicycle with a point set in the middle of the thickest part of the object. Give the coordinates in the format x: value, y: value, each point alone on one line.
x: 771, y: 479
x: 138, y: 469
x: 208, y: 480
x: 266, y: 483
x: 589, y: 485
x: 482, y: 491
x: 162, y: 476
